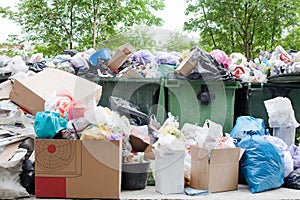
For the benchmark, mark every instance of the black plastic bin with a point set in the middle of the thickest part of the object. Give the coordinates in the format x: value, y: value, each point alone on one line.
x: 134, y: 175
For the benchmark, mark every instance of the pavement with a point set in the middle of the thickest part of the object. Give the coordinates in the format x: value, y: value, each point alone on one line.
x: 242, y: 193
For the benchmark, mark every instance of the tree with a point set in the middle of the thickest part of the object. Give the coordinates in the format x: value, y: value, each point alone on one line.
x: 138, y: 37
x: 60, y: 23
x: 179, y: 41
x: 242, y: 25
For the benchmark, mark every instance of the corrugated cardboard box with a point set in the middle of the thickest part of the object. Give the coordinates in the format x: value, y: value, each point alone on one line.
x: 122, y: 54
x: 77, y: 168
x: 217, y: 174
x: 188, y: 64
x: 32, y: 92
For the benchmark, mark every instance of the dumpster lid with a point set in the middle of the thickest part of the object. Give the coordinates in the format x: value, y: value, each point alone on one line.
x: 285, y: 78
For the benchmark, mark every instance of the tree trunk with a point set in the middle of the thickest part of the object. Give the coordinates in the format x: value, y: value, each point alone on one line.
x: 211, y: 34
x: 94, y: 24
x: 71, y: 26
x: 232, y: 38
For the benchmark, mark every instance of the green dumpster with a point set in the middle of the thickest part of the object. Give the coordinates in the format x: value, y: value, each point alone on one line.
x: 143, y: 93
x: 195, y: 101
x: 250, y: 99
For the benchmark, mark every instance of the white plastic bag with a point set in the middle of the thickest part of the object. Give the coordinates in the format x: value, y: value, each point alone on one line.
x: 214, y: 133
x: 16, y: 64
x: 10, y: 184
x: 280, y: 112
x: 195, y: 135
x: 80, y: 61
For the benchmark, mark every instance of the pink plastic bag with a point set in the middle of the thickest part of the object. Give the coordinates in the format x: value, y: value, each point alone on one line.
x: 221, y: 57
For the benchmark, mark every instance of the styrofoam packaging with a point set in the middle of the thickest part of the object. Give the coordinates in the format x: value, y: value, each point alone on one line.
x: 169, y: 172
x: 287, y: 134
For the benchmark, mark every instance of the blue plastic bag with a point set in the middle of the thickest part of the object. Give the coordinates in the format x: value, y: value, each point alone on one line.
x: 103, y: 53
x: 262, y: 164
x: 245, y: 124
x: 47, y: 124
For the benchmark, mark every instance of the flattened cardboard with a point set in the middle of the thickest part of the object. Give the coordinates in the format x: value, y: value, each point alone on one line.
x: 129, y: 73
x: 9, y: 151
x: 122, y: 54
x: 32, y: 92
x: 187, y: 65
x: 99, y: 174
x: 218, y: 174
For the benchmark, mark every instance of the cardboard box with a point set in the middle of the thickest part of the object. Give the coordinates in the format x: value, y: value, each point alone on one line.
x: 122, y: 54
x: 129, y: 73
x: 77, y: 168
x: 169, y: 172
x: 217, y: 174
x: 188, y: 64
x: 139, y: 145
x: 32, y: 92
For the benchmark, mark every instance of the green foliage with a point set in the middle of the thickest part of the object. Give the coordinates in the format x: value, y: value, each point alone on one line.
x: 47, y: 50
x: 297, y: 137
x: 292, y: 40
x: 138, y: 37
x: 242, y: 25
x: 179, y: 41
x: 61, y: 23
x: 13, y: 45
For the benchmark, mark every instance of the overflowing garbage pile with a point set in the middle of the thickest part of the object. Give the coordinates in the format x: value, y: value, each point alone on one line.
x: 196, y: 64
x: 56, y: 141
x: 64, y: 139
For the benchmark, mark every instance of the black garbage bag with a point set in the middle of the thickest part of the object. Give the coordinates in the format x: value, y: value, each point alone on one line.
x: 70, y: 52
x: 28, y: 144
x: 208, y: 68
x: 27, y: 176
x: 37, y: 66
x: 293, y: 180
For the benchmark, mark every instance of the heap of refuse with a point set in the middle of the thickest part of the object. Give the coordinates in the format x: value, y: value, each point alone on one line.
x: 56, y: 141
x: 196, y: 64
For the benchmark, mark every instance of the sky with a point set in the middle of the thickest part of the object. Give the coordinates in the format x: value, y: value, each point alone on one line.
x: 173, y: 15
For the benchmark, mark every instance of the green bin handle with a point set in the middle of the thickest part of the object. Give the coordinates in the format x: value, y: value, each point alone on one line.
x: 172, y: 83
x: 249, y: 89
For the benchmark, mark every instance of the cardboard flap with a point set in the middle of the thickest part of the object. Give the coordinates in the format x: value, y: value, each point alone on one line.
x: 122, y: 54
x: 129, y: 73
x: 187, y: 65
x: 127, y: 49
x: 5, y: 88
x: 225, y: 155
x: 9, y: 151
